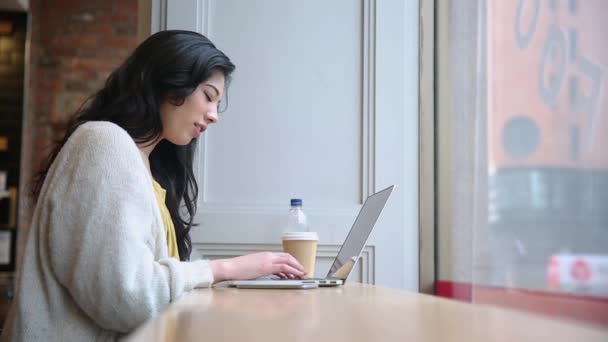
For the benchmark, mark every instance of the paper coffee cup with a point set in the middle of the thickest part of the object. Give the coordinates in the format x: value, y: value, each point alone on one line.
x: 302, y: 246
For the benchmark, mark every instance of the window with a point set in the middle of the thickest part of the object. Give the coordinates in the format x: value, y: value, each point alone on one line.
x: 522, y: 171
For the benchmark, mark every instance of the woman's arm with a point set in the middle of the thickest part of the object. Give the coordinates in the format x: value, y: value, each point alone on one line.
x: 257, y: 265
x: 100, y: 245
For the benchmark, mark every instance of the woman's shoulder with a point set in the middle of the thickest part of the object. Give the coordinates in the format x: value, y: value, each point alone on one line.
x: 102, y: 135
x: 102, y: 149
x: 100, y: 130
x: 99, y: 144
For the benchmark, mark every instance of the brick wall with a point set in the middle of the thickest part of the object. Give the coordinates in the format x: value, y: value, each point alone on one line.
x: 74, y: 46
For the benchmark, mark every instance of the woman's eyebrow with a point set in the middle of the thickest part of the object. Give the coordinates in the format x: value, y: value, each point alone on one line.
x: 212, y: 86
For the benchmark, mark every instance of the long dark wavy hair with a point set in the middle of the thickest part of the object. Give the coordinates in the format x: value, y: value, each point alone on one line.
x: 168, y: 66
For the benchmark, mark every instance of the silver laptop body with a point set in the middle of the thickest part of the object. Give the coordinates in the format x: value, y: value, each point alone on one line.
x: 345, y: 260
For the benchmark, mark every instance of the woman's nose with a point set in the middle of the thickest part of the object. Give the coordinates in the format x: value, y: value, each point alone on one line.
x: 212, y: 117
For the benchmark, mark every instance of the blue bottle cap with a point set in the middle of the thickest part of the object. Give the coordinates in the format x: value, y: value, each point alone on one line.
x: 296, y: 202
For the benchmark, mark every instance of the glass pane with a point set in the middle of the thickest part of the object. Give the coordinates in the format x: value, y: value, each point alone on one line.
x: 523, y: 170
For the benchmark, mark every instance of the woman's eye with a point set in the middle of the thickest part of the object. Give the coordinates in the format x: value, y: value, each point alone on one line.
x: 208, y: 98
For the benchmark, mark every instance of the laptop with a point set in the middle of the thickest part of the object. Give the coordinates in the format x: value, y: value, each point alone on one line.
x: 345, y: 260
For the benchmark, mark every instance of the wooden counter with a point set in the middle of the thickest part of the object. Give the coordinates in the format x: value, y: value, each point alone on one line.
x: 355, y: 312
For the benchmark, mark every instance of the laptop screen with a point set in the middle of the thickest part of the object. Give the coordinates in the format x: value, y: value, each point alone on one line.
x: 355, y: 241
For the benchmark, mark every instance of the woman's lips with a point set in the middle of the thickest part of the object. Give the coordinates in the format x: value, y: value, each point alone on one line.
x: 199, y: 129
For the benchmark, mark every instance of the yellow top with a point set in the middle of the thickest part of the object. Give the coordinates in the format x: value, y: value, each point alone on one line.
x: 169, y: 228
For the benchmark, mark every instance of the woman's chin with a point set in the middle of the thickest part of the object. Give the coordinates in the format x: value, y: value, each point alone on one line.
x: 182, y: 141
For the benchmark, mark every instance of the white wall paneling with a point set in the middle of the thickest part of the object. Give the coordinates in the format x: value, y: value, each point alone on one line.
x: 319, y: 108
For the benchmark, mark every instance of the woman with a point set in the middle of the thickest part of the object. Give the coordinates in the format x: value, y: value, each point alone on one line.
x: 109, y: 243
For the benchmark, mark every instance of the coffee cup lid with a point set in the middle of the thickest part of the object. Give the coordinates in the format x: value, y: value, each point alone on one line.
x: 300, y: 236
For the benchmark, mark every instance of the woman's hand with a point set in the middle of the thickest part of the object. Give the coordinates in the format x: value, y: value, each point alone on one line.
x: 257, y: 265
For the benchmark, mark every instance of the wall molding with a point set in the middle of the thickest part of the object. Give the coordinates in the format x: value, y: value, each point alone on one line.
x: 368, y: 122
x: 202, y: 26
x: 202, y: 19
x: 368, y: 130
x: 159, y: 16
x: 325, y: 253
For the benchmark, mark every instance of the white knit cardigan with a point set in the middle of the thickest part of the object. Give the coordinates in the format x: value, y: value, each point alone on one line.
x: 95, y: 264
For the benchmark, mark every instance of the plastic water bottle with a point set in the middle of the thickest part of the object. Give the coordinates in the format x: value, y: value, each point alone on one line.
x: 296, y: 220
x: 298, y: 241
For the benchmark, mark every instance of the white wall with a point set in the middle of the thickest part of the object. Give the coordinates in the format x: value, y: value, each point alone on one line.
x: 323, y: 106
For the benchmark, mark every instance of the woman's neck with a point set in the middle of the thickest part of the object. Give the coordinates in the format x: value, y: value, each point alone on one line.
x: 145, y: 149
